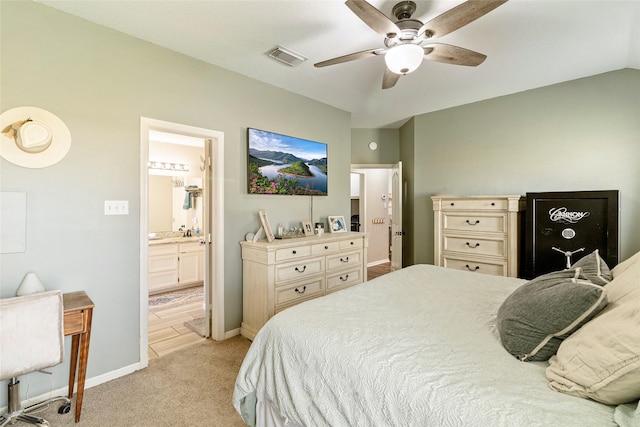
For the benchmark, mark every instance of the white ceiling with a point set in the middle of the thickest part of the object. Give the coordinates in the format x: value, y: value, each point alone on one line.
x: 529, y: 44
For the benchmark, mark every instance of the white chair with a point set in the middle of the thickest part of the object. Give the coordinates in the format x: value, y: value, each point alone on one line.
x: 32, y: 337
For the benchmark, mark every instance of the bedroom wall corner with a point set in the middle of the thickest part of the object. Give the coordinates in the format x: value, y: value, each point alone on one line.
x: 578, y: 135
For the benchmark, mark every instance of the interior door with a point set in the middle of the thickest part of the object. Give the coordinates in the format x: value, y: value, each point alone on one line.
x: 206, y: 237
x: 396, y: 217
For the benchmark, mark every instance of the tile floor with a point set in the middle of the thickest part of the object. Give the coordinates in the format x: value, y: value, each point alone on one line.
x: 167, y: 332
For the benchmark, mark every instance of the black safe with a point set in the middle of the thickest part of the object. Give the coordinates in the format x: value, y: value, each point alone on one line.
x: 562, y: 227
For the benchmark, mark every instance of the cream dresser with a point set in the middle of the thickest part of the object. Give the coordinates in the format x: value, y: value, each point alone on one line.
x: 286, y: 272
x: 478, y: 233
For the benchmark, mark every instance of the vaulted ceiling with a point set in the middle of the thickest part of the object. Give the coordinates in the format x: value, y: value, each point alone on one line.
x: 528, y: 43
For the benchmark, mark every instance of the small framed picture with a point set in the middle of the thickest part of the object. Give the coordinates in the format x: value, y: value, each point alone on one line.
x: 337, y: 224
x: 264, y: 221
x: 307, y: 228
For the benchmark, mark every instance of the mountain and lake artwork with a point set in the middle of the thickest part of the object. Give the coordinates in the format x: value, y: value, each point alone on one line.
x: 281, y: 164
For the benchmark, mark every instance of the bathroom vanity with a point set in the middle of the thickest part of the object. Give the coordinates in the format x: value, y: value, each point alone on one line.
x: 175, y: 263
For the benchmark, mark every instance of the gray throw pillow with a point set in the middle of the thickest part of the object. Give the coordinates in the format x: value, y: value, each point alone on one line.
x: 540, y: 314
x: 594, y: 268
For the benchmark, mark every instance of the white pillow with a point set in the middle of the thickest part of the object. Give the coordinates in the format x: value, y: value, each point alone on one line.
x: 618, y: 269
x: 601, y: 360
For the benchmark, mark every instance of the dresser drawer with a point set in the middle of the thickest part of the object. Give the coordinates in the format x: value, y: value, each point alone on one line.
x: 476, y: 246
x: 292, y: 294
x: 344, y: 279
x: 325, y: 248
x: 461, y: 221
x: 73, y: 323
x: 299, y: 270
x: 294, y: 252
x: 351, y: 243
x: 497, y: 268
x: 475, y: 204
x: 346, y: 259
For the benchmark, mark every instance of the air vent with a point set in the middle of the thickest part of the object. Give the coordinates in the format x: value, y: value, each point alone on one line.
x: 287, y: 56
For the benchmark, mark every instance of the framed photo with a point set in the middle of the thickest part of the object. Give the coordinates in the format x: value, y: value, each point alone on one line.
x: 337, y: 224
x: 307, y: 228
x: 264, y: 221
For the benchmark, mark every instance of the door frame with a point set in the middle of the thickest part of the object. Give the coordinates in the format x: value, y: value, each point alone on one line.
x: 215, y: 239
x: 390, y: 167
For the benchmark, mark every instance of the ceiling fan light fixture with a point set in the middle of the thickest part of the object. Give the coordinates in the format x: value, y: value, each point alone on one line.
x: 404, y: 58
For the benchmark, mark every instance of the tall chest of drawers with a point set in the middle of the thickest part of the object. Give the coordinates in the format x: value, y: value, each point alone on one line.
x: 478, y: 233
x: 283, y: 273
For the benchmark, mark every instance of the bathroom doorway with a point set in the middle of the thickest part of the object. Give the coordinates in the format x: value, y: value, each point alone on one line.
x: 181, y: 247
x: 376, y: 207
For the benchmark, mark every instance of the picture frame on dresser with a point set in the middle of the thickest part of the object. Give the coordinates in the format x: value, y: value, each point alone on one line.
x: 337, y: 224
x: 266, y: 227
x: 307, y: 228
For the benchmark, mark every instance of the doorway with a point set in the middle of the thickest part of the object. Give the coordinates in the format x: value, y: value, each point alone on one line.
x: 203, y: 216
x: 376, y: 204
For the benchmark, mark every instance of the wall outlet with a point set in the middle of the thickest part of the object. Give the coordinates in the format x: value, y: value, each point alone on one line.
x: 116, y: 207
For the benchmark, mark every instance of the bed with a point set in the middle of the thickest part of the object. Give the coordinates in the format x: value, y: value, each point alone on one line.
x: 419, y: 346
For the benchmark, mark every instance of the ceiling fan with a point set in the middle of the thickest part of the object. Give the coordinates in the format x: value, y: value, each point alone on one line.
x: 404, y: 49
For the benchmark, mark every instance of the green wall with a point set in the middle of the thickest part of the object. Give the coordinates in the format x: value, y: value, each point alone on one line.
x: 579, y: 135
x: 100, y: 82
x: 386, y: 153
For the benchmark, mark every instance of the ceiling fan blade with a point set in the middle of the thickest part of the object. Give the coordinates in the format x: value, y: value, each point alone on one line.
x: 459, y: 16
x: 453, y: 55
x: 350, y: 57
x: 375, y: 19
x: 389, y: 79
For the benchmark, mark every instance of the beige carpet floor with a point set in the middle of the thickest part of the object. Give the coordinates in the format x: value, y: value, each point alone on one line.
x: 189, y: 388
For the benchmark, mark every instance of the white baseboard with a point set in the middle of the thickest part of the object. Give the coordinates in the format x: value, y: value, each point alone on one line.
x: 101, y: 379
x: 89, y: 382
x: 374, y: 263
x: 232, y: 333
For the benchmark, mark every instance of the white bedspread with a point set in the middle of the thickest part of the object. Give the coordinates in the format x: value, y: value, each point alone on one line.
x: 417, y: 347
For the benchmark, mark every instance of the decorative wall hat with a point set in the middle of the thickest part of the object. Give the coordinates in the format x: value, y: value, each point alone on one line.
x: 32, y: 137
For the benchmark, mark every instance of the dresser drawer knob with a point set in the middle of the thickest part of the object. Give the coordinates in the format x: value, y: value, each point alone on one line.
x: 493, y: 203
x: 475, y: 223
x: 472, y: 269
x: 345, y: 260
x: 352, y: 243
x: 473, y: 247
x: 301, y: 271
x: 326, y: 247
x: 298, y: 291
x: 452, y: 204
x: 345, y: 278
x: 294, y: 252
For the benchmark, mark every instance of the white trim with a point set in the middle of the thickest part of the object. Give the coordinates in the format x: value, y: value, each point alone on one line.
x: 373, y: 166
x: 90, y: 382
x: 232, y: 333
x: 374, y: 263
x: 217, y: 232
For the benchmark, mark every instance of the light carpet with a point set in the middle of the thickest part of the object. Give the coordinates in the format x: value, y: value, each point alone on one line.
x: 192, y: 387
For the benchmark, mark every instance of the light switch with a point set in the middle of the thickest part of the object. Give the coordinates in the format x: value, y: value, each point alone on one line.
x: 116, y: 207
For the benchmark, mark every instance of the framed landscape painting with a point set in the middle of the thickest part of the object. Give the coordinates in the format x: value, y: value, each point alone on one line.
x: 285, y: 165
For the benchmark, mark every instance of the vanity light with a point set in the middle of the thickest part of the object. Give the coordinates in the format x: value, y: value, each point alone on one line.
x: 180, y: 167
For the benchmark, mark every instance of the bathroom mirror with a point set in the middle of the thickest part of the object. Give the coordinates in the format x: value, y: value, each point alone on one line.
x: 175, y: 165
x: 167, y: 198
